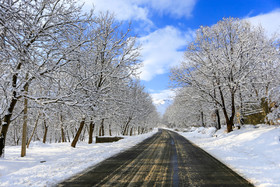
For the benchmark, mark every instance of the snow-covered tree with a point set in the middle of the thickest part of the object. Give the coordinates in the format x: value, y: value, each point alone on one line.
x: 224, y: 60
x: 62, y: 70
x: 189, y: 109
x: 36, y: 41
x: 135, y: 108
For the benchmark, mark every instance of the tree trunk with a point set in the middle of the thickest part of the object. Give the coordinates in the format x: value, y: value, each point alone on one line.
x: 63, y: 139
x: 241, y: 109
x: 202, y: 118
x: 36, y: 123
x: 24, y: 127
x: 46, y: 131
x: 131, y: 131
x: 218, y: 119
x: 74, y: 142
x: 2, y: 144
x: 15, y: 131
x: 24, y: 134
x: 229, y: 121
x: 101, y: 128
x: 7, y: 117
x: 218, y: 124
x: 99, y: 134
x: 232, y: 111
x: 125, y: 130
x: 110, y: 130
x: 91, y: 129
x: 102, y: 131
x: 5, y: 125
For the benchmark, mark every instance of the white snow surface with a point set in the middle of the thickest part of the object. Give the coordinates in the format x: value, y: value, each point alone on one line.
x: 252, y: 151
x: 60, y: 161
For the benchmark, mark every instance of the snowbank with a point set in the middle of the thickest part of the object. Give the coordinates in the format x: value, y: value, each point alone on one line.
x: 252, y: 151
x: 48, y: 164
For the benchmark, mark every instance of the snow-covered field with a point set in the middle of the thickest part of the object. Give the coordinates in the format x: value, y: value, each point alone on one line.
x: 252, y: 152
x: 48, y: 164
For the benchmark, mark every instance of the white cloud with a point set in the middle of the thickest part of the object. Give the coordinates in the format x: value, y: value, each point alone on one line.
x: 123, y: 9
x: 162, y: 49
x: 270, y: 22
x: 140, y: 9
x: 161, y: 97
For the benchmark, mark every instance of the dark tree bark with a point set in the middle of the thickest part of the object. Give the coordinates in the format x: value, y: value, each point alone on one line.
x: 2, y: 144
x: 110, y: 130
x: 45, y: 132
x: 8, y: 116
x: 143, y: 130
x: 131, y: 130
x: 63, y: 139
x: 5, y: 125
x: 74, y: 142
x: 218, y: 119
x: 202, y: 118
x: 125, y: 130
x: 102, y: 130
x: 229, y: 121
x: 91, y: 129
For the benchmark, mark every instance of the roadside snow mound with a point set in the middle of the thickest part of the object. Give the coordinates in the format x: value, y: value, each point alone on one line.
x: 204, y: 132
x: 252, y: 151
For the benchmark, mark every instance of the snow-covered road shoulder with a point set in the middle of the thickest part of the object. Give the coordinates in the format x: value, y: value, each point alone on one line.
x: 48, y: 164
x: 252, y: 151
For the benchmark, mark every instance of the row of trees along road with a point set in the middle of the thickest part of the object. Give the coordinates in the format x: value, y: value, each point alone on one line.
x: 64, y: 73
x: 229, y: 68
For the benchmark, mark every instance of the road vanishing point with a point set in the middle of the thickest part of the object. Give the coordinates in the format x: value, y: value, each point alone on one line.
x: 165, y: 159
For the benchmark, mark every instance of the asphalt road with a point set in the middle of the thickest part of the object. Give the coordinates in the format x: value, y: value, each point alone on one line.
x: 165, y: 159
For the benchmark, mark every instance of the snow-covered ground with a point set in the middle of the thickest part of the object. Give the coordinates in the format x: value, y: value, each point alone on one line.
x: 48, y: 164
x: 252, y: 152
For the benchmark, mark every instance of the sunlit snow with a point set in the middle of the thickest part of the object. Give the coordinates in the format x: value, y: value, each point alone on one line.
x: 252, y: 151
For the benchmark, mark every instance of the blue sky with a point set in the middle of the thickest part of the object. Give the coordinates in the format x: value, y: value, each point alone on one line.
x: 165, y: 27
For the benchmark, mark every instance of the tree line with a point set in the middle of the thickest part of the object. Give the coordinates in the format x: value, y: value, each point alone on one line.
x: 230, y: 72
x: 65, y: 73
